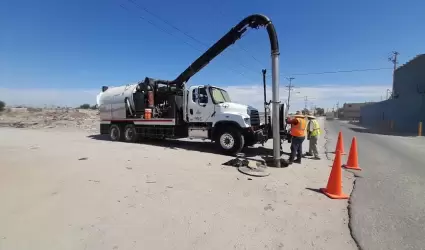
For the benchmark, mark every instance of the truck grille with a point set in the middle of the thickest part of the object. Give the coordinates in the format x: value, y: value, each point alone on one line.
x: 255, y: 118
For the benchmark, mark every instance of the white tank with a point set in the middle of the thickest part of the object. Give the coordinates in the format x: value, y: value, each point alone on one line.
x: 112, y: 104
x: 118, y: 94
x: 98, y: 98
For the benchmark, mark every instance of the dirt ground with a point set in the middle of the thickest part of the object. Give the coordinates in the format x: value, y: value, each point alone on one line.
x: 63, y: 118
x: 63, y: 188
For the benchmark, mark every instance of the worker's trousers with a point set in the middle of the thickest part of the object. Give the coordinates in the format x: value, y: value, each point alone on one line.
x: 296, y: 147
x: 313, y: 146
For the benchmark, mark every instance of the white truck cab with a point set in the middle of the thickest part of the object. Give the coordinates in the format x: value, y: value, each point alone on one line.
x: 210, y: 104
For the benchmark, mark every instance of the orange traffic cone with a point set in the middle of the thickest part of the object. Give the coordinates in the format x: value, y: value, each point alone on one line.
x: 340, y: 144
x: 352, y: 162
x: 334, y: 188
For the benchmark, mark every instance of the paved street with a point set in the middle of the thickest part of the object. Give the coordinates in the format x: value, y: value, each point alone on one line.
x: 388, y: 210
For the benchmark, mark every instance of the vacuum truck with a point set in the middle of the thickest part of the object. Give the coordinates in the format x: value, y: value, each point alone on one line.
x: 155, y: 108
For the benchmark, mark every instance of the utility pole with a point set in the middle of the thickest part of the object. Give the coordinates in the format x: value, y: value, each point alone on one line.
x: 337, y: 109
x: 305, y: 102
x: 290, y: 88
x: 265, y: 96
x: 393, y: 59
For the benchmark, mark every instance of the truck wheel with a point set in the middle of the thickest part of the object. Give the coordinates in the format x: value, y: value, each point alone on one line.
x: 230, y: 141
x: 130, y: 134
x: 115, y: 133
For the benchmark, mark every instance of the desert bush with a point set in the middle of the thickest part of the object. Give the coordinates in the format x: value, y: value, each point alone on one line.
x: 2, y: 105
x: 85, y: 106
x: 30, y: 109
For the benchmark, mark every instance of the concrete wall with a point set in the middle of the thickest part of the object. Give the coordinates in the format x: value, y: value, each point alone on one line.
x: 403, y: 113
x: 409, y: 77
x: 398, y: 116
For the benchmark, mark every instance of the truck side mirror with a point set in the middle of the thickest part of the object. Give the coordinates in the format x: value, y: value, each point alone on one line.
x: 202, y: 98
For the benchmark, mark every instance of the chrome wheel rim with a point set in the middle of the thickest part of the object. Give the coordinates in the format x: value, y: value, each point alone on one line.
x: 129, y: 134
x: 227, y: 141
x: 114, y: 133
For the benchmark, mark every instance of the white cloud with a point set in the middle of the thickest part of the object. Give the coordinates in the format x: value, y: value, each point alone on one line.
x: 323, y: 96
x: 42, y: 97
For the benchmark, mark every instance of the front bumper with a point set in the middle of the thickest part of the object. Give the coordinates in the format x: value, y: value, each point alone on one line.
x: 261, y: 134
x: 254, y: 135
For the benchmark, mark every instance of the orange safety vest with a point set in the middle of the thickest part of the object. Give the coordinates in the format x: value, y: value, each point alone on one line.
x: 299, y: 129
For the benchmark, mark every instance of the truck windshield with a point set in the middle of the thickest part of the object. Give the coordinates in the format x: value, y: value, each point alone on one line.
x: 219, y: 95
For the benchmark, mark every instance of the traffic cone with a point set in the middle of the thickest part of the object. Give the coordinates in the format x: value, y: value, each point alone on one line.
x: 340, y: 144
x: 334, y: 188
x: 352, y: 162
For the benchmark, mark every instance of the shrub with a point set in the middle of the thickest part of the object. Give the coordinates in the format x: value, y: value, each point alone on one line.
x: 2, y: 105
x: 85, y: 106
x: 32, y: 110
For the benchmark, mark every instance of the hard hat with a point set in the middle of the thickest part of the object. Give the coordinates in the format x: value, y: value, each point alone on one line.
x: 311, y: 116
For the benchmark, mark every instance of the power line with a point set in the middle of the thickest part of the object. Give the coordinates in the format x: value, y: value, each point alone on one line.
x: 253, y: 57
x: 178, y: 29
x: 158, y: 27
x: 338, y: 71
x: 260, y: 64
x: 167, y: 22
x: 240, y: 46
x: 233, y: 70
x: 171, y: 34
x: 334, y: 72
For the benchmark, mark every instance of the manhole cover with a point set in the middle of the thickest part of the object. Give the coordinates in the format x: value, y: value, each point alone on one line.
x: 258, y: 171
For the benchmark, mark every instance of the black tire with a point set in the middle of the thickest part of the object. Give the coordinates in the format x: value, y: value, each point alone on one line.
x: 130, y: 134
x: 230, y: 141
x: 115, y: 133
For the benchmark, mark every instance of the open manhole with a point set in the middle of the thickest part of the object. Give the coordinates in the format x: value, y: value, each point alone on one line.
x: 254, y: 168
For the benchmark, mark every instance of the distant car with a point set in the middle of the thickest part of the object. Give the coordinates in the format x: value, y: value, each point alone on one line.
x: 330, y: 116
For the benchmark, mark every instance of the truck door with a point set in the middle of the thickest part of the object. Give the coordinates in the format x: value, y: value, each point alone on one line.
x: 200, y: 106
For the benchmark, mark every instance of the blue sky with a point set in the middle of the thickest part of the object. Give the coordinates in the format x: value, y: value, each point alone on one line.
x: 77, y: 46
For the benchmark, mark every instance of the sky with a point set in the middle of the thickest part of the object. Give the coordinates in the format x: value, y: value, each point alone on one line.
x: 63, y: 52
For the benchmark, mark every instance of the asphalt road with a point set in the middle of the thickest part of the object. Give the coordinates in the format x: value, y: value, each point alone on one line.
x: 388, y: 201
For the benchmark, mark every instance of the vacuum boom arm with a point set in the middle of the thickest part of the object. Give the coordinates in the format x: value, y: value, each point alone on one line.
x: 254, y: 21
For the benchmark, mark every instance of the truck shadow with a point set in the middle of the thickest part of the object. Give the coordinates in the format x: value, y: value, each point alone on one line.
x: 195, y: 145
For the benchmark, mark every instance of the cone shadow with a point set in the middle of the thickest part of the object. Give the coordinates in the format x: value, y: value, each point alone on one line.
x: 317, y: 190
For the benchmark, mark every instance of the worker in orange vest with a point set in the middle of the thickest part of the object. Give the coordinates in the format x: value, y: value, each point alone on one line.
x: 298, y: 131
